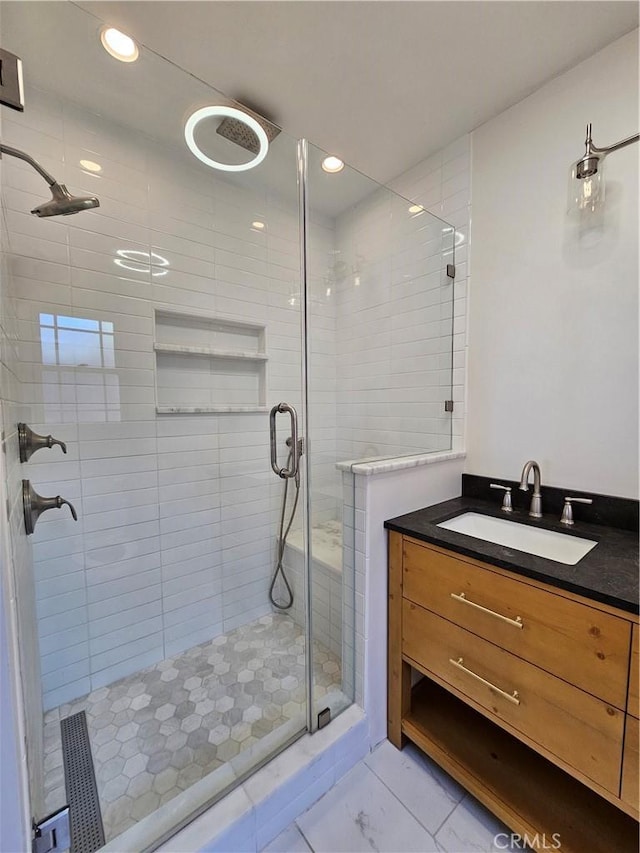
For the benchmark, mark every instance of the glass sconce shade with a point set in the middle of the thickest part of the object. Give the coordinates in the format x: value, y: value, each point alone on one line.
x: 586, y: 195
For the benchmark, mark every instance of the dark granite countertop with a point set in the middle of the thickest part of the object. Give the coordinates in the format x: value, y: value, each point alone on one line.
x: 608, y: 573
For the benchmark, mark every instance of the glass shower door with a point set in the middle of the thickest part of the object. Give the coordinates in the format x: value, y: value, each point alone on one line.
x: 154, y: 335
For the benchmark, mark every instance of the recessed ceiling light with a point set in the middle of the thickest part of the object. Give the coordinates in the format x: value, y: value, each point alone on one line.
x: 225, y: 112
x: 416, y: 208
x: 90, y: 166
x: 119, y: 45
x: 332, y: 164
x: 259, y: 226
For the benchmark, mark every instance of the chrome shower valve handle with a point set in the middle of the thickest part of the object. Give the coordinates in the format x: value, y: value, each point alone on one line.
x: 34, y: 505
x: 29, y: 442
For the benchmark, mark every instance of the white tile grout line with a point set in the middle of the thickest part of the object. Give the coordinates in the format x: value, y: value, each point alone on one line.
x: 409, y: 812
x: 432, y: 835
x: 306, y: 840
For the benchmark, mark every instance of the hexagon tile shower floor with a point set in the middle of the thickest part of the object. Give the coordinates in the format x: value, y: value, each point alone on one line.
x: 160, y: 730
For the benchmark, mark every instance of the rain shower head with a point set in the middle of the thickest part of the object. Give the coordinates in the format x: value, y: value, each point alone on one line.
x: 237, y: 131
x: 62, y: 203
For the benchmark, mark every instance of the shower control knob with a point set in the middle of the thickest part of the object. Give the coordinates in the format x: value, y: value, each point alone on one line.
x: 34, y: 505
x: 29, y: 442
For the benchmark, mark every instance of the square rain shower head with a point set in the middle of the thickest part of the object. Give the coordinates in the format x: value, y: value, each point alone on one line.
x: 240, y: 133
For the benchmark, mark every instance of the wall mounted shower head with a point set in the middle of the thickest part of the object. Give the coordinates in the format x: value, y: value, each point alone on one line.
x: 62, y: 203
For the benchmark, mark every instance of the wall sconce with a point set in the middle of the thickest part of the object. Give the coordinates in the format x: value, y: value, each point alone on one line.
x: 586, y: 179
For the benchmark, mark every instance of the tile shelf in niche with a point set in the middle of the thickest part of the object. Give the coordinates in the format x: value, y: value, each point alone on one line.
x: 207, y: 364
x: 217, y: 353
x: 203, y: 410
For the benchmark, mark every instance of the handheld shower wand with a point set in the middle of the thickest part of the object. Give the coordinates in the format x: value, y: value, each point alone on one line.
x: 62, y: 202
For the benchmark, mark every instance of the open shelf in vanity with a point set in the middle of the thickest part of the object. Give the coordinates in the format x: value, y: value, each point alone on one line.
x: 529, y: 793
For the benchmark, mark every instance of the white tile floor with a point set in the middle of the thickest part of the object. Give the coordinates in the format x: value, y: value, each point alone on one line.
x: 394, y: 802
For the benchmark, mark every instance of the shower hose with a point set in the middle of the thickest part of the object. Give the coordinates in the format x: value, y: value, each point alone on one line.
x: 282, y: 541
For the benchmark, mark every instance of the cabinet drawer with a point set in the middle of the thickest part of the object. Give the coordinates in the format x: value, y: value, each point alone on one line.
x: 577, y: 642
x: 634, y: 699
x: 576, y: 727
x: 630, y: 760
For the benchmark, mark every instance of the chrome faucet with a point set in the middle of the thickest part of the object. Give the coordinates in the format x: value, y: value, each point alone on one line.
x: 535, y: 510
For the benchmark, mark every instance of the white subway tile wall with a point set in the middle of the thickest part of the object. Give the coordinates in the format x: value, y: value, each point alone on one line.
x: 18, y: 582
x: 178, y: 513
x: 326, y: 596
x: 396, y: 348
x: 442, y: 185
x: 363, y: 559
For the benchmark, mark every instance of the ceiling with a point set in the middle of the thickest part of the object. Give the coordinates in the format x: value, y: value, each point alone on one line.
x: 299, y: 64
x: 147, y: 102
x: 381, y: 84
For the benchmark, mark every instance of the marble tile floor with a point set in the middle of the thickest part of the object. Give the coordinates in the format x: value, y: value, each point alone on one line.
x: 160, y: 730
x: 395, y: 802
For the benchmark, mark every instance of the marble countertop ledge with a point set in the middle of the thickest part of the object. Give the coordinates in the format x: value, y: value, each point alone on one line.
x: 608, y: 573
x: 371, y: 467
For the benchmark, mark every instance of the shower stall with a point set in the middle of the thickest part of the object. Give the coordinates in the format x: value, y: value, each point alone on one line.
x: 200, y: 341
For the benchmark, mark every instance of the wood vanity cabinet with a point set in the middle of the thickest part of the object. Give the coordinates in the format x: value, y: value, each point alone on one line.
x: 530, y: 695
x: 631, y: 752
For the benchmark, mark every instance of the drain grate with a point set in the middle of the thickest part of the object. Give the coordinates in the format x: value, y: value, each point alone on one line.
x: 87, y: 832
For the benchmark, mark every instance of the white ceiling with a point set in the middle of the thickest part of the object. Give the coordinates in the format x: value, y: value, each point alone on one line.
x: 148, y: 102
x: 380, y: 83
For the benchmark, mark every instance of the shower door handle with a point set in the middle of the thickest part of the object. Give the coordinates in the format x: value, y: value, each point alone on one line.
x: 285, y: 473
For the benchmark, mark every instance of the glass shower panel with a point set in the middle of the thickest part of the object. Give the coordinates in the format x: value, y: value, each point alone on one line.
x: 379, y: 332
x: 420, y: 365
x: 387, y: 275
x: 155, y: 334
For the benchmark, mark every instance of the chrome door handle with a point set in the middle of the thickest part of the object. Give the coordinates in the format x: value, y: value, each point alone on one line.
x: 285, y: 473
x: 34, y: 505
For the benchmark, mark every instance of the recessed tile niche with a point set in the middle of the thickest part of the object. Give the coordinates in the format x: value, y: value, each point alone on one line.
x: 208, y: 364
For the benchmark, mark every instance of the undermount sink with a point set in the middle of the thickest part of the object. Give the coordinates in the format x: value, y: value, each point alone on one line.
x: 533, y: 540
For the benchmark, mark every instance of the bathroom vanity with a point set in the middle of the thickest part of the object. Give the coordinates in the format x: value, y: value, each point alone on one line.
x: 530, y: 691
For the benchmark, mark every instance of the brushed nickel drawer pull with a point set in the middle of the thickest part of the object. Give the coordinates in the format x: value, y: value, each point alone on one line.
x: 512, y: 697
x: 517, y: 622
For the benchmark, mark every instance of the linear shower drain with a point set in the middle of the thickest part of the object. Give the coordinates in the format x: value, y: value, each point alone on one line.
x: 87, y: 832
